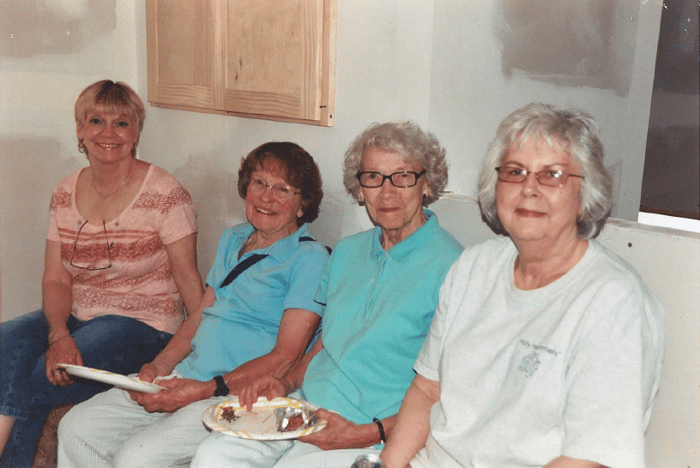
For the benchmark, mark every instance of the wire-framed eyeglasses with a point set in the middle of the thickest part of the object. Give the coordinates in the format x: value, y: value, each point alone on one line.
x: 548, y: 177
x: 401, y: 179
x: 280, y: 191
x: 92, y: 267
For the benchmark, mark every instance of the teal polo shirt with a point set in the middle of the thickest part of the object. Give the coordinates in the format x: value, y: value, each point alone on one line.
x: 244, y: 320
x: 379, y: 306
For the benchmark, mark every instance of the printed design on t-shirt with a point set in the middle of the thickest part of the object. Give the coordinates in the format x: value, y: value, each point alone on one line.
x: 131, y: 246
x: 98, y: 279
x: 61, y: 198
x: 530, y: 364
x: 125, y: 246
x: 130, y: 305
x: 152, y: 200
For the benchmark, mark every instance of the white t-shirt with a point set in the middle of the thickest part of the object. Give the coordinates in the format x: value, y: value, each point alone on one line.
x: 571, y: 368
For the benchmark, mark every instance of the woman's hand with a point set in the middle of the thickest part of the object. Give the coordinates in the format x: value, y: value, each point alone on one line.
x: 56, y: 304
x: 152, y: 370
x: 178, y: 393
x: 62, y: 350
x: 279, y: 372
x: 340, y: 433
x: 268, y: 386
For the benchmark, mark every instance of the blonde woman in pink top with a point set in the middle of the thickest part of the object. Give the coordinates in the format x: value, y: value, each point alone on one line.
x: 120, y: 264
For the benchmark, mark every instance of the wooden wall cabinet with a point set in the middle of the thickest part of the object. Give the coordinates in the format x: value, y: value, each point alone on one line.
x: 266, y: 59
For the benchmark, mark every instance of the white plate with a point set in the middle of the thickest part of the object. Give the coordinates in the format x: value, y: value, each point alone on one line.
x: 118, y: 380
x: 260, y: 423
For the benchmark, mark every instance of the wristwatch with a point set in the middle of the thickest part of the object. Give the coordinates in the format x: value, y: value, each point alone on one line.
x: 221, y: 387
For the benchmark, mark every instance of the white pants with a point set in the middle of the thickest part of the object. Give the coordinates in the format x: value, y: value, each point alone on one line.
x: 110, y: 429
x: 220, y: 450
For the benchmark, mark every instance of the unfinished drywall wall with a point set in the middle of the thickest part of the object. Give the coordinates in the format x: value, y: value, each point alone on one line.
x: 62, y: 27
x: 493, y: 56
x: 384, y: 74
x: 436, y: 62
x: 569, y: 42
x: 41, y: 75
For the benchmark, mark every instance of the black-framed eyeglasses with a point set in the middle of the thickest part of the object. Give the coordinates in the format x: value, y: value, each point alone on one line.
x: 401, y: 179
x: 91, y: 267
x: 278, y: 191
x: 548, y: 177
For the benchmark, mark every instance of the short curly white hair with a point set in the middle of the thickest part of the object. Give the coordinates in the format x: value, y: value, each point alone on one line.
x: 407, y: 139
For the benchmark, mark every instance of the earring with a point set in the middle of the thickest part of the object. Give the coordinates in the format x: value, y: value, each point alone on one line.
x: 81, y: 146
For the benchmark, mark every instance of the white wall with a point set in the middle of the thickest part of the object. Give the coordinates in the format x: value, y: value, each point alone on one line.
x: 383, y: 74
x: 471, y: 91
x: 393, y: 63
x: 40, y: 78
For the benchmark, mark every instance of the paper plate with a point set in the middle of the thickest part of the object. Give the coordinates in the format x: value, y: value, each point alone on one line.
x: 118, y: 380
x: 260, y: 423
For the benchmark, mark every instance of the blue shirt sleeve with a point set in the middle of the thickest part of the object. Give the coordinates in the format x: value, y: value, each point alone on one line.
x: 321, y: 296
x: 304, y: 280
x: 216, y: 273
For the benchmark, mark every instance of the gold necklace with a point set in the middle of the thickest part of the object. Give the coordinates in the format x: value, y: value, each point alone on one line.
x: 119, y: 187
x: 104, y: 197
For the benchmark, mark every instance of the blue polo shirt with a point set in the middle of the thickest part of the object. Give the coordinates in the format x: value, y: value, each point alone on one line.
x: 379, y: 306
x: 244, y: 320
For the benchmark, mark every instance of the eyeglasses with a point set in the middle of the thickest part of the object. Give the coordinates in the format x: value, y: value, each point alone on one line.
x: 548, y: 177
x: 401, y: 179
x: 91, y: 267
x: 282, y: 192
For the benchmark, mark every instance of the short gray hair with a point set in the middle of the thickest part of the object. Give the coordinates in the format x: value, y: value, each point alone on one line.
x: 407, y: 139
x: 574, y: 132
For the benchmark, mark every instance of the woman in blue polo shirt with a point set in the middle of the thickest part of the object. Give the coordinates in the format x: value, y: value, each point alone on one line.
x: 257, y: 317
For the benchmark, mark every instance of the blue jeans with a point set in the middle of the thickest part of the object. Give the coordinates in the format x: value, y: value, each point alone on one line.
x: 114, y: 343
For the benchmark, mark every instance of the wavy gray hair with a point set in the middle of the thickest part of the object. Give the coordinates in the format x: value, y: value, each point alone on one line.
x: 407, y: 139
x: 574, y: 132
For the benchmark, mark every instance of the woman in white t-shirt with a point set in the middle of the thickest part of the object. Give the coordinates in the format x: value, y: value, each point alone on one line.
x: 546, y: 348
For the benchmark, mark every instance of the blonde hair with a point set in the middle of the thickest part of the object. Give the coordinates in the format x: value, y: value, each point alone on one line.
x: 118, y: 97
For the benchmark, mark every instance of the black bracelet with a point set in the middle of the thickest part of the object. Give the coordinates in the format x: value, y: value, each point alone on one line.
x: 382, y: 435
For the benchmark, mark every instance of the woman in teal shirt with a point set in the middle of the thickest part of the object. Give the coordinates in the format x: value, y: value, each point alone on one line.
x: 380, y: 289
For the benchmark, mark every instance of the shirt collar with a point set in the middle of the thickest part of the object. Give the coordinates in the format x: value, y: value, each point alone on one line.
x: 283, y: 248
x: 413, y: 242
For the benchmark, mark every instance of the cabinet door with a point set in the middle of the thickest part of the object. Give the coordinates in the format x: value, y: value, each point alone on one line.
x: 272, y: 57
x: 180, y: 37
x: 269, y: 59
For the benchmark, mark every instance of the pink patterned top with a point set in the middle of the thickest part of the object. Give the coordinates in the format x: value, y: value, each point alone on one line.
x: 139, y: 282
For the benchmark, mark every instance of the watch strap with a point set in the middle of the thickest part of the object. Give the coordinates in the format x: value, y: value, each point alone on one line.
x: 221, y: 387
